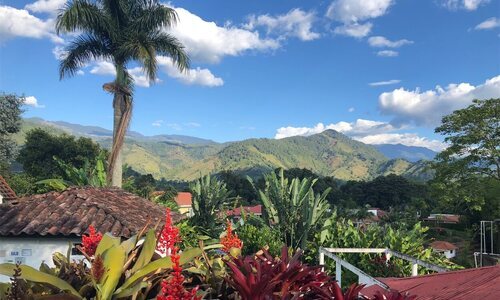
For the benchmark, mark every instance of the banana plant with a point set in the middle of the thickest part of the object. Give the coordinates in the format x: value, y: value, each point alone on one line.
x: 293, y: 207
x: 92, y: 175
x: 118, y: 269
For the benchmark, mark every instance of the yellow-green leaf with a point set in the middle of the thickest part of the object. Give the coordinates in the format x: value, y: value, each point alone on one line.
x: 147, y: 251
x: 30, y: 274
x: 107, y: 242
x: 162, y: 263
x: 114, y: 259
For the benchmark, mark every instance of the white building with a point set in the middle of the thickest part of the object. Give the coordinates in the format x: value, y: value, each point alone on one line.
x: 33, y: 228
x: 448, y: 249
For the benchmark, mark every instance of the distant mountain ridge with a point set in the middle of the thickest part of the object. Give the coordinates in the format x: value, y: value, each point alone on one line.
x: 179, y: 157
x: 410, y: 153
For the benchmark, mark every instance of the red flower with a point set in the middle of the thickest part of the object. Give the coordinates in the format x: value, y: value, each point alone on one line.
x: 172, y: 288
x: 231, y: 239
x: 169, y: 236
x: 91, y: 241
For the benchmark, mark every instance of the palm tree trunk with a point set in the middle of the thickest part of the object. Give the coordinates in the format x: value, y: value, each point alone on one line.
x: 118, y: 111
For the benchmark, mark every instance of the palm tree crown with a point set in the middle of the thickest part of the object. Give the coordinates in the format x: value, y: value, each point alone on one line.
x: 119, y: 31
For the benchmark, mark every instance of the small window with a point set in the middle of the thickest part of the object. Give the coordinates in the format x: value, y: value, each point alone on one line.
x: 75, y: 251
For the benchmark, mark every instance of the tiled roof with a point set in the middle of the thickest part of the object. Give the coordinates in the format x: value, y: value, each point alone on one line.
x: 443, y: 245
x: 184, y: 199
x: 481, y: 283
x: 7, y: 193
x: 257, y: 210
x: 72, y: 211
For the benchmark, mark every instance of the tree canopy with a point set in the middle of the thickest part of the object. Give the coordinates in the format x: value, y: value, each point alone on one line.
x: 40, y: 148
x: 10, y: 123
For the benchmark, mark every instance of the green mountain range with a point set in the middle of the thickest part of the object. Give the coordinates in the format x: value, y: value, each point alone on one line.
x: 177, y: 157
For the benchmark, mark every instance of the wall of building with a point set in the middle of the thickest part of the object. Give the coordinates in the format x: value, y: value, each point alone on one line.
x: 33, y: 251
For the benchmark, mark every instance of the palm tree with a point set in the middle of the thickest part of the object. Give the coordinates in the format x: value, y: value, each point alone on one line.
x: 119, y: 31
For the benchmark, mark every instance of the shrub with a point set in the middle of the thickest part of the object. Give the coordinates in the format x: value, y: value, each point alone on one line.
x: 256, y: 238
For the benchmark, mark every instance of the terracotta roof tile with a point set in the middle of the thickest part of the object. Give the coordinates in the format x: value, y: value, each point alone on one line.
x: 72, y: 211
x: 481, y: 283
x: 7, y: 193
x: 443, y: 245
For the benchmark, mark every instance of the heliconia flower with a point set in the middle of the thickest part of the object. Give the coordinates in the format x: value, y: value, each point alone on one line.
x: 169, y: 236
x: 90, y: 242
x: 231, y: 239
x: 172, y: 288
x: 97, y: 269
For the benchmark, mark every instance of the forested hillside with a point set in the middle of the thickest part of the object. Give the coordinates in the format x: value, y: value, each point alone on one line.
x: 177, y: 157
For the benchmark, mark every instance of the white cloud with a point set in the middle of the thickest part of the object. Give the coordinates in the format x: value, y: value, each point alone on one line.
x: 206, y: 41
x: 45, y: 6
x: 20, y: 23
x: 469, y: 5
x: 296, y: 23
x: 387, y: 82
x: 107, y: 68
x: 59, y: 52
x: 196, y: 76
x: 388, y: 53
x: 33, y: 102
x: 366, y: 131
x: 354, y: 29
x: 103, y: 68
x: 488, y: 24
x: 353, y: 12
x: 351, y: 109
x: 80, y: 72
x: 359, y: 127
x: 347, y: 11
x: 380, y: 41
x: 408, y: 139
x: 192, y: 77
x: 157, y: 123
x: 428, y: 107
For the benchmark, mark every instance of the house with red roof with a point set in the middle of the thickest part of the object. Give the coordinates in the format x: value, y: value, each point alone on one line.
x: 248, y: 210
x: 448, y: 249
x: 34, y: 227
x: 184, y: 201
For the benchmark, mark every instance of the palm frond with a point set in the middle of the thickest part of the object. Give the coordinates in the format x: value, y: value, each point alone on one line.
x: 140, y: 47
x: 84, y: 16
x: 82, y: 50
x: 165, y: 44
x: 154, y: 16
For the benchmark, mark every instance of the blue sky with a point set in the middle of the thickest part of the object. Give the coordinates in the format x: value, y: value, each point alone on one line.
x: 381, y: 71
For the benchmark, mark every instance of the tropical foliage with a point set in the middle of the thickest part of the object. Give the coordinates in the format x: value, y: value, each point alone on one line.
x: 91, y: 174
x: 119, y: 31
x: 293, y: 207
x: 210, y: 196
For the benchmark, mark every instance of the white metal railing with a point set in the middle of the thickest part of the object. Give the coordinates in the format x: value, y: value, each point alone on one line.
x: 364, y: 278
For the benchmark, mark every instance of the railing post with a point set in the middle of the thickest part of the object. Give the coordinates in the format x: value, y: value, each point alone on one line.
x: 414, y: 270
x: 338, y: 272
x: 322, y: 259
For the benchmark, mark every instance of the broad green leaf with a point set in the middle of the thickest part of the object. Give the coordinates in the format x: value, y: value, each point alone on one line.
x: 162, y: 263
x: 214, y: 246
x: 106, y: 243
x: 131, y: 290
x: 30, y: 274
x: 114, y: 259
x: 129, y: 244
x: 147, y: 251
